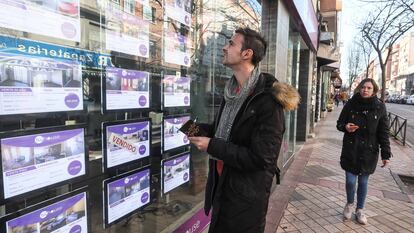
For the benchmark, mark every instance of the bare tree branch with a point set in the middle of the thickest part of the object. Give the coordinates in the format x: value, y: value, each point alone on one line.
x: 384, y: 27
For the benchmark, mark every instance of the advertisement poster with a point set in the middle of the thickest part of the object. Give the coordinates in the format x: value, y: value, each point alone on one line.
x: 38, y: 160
x: 126, y: 33
x: 68, y: 215
x: 57, y: 18
x: 127, y: 142
x: 127, y: 194
x: 176, y: 49
x: 176, y: 172
x: 179, y: 10
x: 174, y: 138
x: 35, y: 85
x: 176, y: 91
x: 126, y: 89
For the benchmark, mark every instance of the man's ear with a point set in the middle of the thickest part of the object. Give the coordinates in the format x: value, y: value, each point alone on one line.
x: 247, y: 54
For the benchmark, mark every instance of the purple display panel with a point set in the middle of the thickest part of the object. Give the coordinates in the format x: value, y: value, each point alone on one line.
x: 175, y: 49
x: 196, y: 224
x: 126, y: 89
x: 127, y: 142
x: 58, y: 19
x: 176, y: 171
x: 179, y: 10
x: 35, y: 161
x: 68, y: 215
x: 37, y: 85
x: 176, y: 91
x: 172, y: 137
x: 126, y: 33
x: 127, y: 194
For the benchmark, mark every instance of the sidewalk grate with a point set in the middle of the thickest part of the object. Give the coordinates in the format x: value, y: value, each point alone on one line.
x: 318, y: 171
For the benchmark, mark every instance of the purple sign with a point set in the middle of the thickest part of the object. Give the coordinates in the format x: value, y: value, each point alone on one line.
x: 142, y: 100
x: 74, y: 167
x: 126, y: 74
x: 41, y: 140
x: 134, y: 178
x: 76, y: 229
x: 196, y: 224
x: 178, y: 120
x: 128, y: 128
x: 186, y: 99
x: 72, y: 100
x: 177, y: 160
x: 143, y: 49
x: 185, y: 176
x: 142, y: 149
x: 144, y: 197
x: 68, y: 30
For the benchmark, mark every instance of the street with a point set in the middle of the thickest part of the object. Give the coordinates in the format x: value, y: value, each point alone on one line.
x: 406, y: 111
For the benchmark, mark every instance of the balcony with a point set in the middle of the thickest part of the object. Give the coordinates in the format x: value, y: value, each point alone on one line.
x: 327, y: 37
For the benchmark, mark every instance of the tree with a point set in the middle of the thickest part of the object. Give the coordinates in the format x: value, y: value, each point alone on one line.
x: 354, y: 62
x: 384, y: 26
x: 366, y: 51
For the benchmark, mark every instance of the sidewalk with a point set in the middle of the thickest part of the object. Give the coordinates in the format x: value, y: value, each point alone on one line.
x: 311, y: 196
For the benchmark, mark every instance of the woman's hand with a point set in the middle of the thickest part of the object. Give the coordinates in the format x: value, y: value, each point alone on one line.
x: 385, y: 162
x: 351, y: 127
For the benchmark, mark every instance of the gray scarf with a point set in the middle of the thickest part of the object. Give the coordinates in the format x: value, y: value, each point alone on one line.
x: 233, y: 102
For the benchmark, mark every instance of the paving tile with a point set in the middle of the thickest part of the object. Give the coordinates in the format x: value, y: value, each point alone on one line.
x: 331, y: 228
x: 312, y: 195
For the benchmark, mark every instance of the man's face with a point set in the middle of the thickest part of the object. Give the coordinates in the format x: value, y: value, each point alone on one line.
x: 233, y: 54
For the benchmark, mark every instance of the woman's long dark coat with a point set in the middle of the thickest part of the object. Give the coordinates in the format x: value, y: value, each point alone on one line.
x: 360, y: 149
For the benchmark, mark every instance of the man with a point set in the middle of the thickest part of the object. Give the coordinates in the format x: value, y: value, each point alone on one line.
x: 245, y: 139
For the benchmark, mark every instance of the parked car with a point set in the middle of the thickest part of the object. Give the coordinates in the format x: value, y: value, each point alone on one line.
x: 403, y: 99
x: 410, y: 99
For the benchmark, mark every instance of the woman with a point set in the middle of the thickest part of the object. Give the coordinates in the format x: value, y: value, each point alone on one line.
x: 365, y: 123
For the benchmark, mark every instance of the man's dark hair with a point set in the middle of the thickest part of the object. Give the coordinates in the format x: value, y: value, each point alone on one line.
x: 255, y: 41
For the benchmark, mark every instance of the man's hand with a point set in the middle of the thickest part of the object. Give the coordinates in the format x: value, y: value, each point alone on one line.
x: 351, y: 127
x: 200, y: 142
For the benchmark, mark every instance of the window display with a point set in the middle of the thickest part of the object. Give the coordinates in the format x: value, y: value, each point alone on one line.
x: 179, y: 10
x: 126, y: 33
x: 176, y: 46
x: 35, y: 85
x: 175, y: 172
x: 172, y: 137
x: 31, y: 161
x: 125, y: 141
x: 125, y: 194
x: 176, y: 91
x: 132, y: 72
x: 59, y: 18
x: 67, y: 215
x: 125, y: 89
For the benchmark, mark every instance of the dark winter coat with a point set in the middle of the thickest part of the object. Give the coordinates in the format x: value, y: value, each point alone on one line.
x: 360, y: 149
x: 240, y: 195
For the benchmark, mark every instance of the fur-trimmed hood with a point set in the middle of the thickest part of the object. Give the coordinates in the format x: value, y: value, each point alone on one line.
x: 286, y: 95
